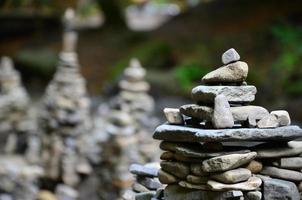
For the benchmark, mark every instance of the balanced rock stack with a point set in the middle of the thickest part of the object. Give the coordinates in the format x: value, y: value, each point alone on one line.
x: 17, y: 126
x: 223, y: 148
x: 65, y: 118
x: 146, y: 185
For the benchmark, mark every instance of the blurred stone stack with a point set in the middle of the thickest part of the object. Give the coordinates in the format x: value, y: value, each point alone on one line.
x: 146, y: 185
x: 16, y: 124
x: 223, y: 148
x: 65, y: 117
x: 128, y: 140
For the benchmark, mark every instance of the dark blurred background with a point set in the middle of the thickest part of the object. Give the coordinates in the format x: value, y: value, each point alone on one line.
x: 178, y: 41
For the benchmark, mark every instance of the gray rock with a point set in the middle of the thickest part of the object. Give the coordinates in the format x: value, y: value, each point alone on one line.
x: 143, y: 171
x: 251, y: 114
x: 173, y: 116
x: 232, y: 73
x: 235, y: 94
x: 279, y: 189
x: 145, y: 195
x: 293, y: 148
x: 139, y: 188
x: 222, y: 117
x: 198, y: 112
x: 285, y: 174
x: 188, y: 134
x: 229, y: 56
x: 166, y: 178
x: 196, y: 169
x: 289, y: 163
x: 283, y: 117
x: 150, y: 183
x: 254, y: 195
x: 178, y: 169
x: 252, y: 183
x: 128, y: 195
x: 176, y: 192
x: 227, y: 162
x: 269, y: 121
x: 193, y: 186
x: 197, y: 179
x: 233, y: 176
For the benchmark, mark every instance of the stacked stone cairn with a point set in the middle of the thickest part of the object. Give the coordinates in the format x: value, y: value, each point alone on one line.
x: 128, y: 140
x: 223, y: 148
x: 146, y: 184
x: 65, y: 118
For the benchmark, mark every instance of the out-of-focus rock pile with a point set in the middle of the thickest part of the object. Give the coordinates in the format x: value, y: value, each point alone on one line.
x: 65, y: 120
x: 127, y: 129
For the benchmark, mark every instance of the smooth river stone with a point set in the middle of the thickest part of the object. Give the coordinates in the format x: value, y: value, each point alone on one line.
x: 166, y: 178
x: 229, y: 56
x: 251, y: 114
x: 222, y: 116
x: 235, y: 94
x: 198, y: 112
x: 251, y: 184
x: 289, y: 163
x: 282, y: 116
x: 232, y: 73
x: 233, y: 176
x: 279, y: 189
x: 178, y: 169
x: 285, y: 174
x: 193, y: 186
x: 255, y: 166
x: 188, y: 134
x: 196, y: 169
x: 293, y: 148
x: 227, y: 162
x: 173, y: 116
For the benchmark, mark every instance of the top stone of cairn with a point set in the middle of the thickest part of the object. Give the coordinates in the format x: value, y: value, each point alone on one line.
x: 234, y: 71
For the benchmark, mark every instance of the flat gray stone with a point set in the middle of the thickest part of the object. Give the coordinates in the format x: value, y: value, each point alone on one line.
x: 235, y: 94
x: 233, y: 176
x: 229, y: 56
x: 285, y: 174
x: 222, y: 116
x: 178, y: 169
x: 292, y: 148
x: 143, y: 171
x: 289, y: 163
x: 193, y: 186
x: 232, y: 73
x: 187, y: 134
x: 279, y: 189
x: 252, y: 183
x: 227, y: 162
x: 197, y: 179
x: 197, y: 111
x: 150, y: 183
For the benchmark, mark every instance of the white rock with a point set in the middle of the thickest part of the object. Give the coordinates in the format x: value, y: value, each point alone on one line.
x: 269, y: 121
x: 283, y: 117
x: 173, y: 116
x: 229, y: 56
x: 222, y: 117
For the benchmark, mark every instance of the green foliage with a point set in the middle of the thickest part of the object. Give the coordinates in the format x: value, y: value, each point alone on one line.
x: 288, y: 64
x: 187, y: 74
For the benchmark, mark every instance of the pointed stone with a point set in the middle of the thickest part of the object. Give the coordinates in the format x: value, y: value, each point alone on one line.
x: 252, y: 183
x: 222, y: 117
x: 229, y: 56
x: 232, y: 73
x: 204, y: 94
x: 227, y: 162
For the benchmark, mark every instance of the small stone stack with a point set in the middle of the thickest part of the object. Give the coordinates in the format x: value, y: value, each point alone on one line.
x: 146, y: 185
x: 223, y: 148
x: 65, y: 117
x: 16, y: 125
